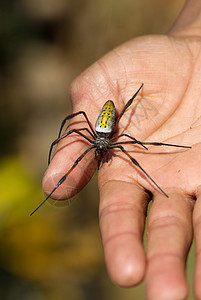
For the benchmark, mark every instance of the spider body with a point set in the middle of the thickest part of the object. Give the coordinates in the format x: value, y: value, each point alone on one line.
x: 104, y: 128
x: 103, y: 139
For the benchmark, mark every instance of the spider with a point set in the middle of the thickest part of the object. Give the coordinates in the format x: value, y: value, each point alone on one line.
x: 102, y: 139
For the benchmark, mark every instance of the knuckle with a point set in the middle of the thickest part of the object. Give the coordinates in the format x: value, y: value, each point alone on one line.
x: 165, y: 221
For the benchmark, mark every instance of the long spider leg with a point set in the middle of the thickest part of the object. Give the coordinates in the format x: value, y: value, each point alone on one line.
x: 93, y: 134
x: 130, y: 137
x: 128, y: 104
x: 99, y: 161
x: 129, y: 142
x: 63, y: 178
x: 135, y: 162
x: 164, y: 144
x: 65, y: 135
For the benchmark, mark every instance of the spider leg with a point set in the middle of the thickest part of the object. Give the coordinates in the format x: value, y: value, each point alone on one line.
x: 107, y: 156
x: 63, y: 178
x: 92, y: 133
x: 101, y: 158
x: 99, y: 161
x: 135, y: 162
x: 65, y: 135
x: 135, y: 141
x: 129, y: 142
x: 128, y: 104
x: 96, y: 154
x: 164, y: 144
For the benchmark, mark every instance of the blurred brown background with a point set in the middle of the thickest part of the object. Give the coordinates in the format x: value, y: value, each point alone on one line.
x: 57, y: 253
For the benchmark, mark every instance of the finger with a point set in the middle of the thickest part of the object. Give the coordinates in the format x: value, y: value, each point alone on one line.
x: 122, y: 216
x: 168, y: 242
x: 197, y: 234
x: 67, y: 152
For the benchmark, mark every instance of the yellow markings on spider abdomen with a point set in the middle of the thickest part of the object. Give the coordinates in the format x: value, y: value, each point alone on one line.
x: 105, y: 117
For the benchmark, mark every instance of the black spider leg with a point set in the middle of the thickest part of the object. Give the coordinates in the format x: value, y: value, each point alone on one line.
x: 63, y: 178
x: 107, y: 156
x: 99, y: 161
x: 149, y: 143
x: 164, y: 144
x: 92, y: 133
x: 135, y: 162
x: 100, y: 158
x: 65, y: 135
x: 127, y: 105
x: 135, y: 141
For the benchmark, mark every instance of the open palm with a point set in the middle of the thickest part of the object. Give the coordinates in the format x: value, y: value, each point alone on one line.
x: 170, y: 111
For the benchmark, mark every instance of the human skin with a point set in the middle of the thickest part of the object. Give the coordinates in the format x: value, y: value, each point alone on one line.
x: 170, y: 68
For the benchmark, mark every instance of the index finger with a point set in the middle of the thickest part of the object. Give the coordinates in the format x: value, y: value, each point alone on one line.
x: 69, y: 149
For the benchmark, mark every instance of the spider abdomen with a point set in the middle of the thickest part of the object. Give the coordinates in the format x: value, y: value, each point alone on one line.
x: 106, y: 119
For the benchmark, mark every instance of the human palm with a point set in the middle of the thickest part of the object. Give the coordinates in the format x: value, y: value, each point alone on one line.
x: 170, y: 69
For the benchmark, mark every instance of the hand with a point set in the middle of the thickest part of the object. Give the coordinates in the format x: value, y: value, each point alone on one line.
x: 169, y: 67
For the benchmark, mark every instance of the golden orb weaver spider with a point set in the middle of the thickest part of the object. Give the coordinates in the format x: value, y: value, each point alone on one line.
x: 102, y: 140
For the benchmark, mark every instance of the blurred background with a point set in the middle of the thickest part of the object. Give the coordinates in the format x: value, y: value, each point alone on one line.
x: 57, y: 253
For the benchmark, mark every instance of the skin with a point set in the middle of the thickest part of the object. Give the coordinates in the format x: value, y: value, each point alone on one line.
x: 170, y: 68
